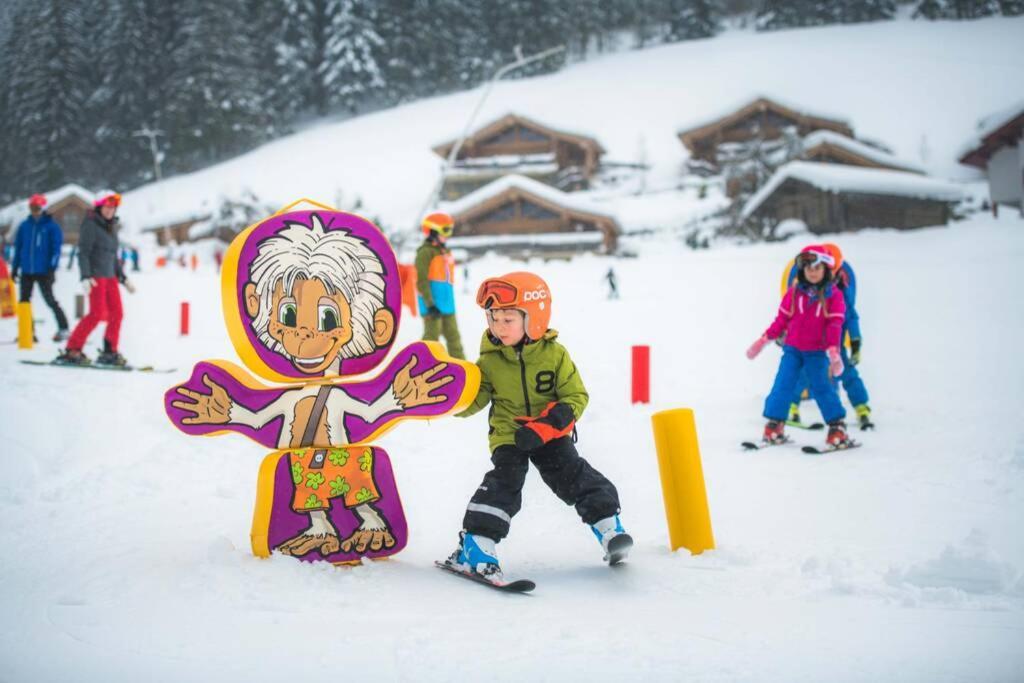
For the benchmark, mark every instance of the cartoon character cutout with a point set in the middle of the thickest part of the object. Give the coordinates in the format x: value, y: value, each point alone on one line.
x: 311, y: 297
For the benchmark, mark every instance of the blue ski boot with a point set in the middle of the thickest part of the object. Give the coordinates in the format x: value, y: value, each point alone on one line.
x: 614, y: 539
x: 476, y: 555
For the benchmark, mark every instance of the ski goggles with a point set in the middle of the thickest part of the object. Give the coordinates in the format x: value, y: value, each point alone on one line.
x: 445, y: 230
x: 813, y: 258
x: 498, y: 293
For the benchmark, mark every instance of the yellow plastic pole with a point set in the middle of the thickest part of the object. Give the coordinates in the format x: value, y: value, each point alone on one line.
x: 24, y: 325
x: 682, y: 481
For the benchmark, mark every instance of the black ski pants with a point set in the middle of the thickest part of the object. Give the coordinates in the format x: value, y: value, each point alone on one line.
x: 572, y: 478
x: 46, y: 285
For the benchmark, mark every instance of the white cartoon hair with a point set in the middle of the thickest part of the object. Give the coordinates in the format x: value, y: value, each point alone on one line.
x: 342, y: 262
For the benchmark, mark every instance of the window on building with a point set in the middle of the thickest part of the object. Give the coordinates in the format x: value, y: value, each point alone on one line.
x: 504, y: 137
x: 506, y: 212
x: 536, y: 212
x: 529, y: 135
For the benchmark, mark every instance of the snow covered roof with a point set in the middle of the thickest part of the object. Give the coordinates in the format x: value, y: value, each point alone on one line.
x: 854, y: 180
x: 991, y: 133
x: 17, y: 210
x: 529, y: 186
x: 739, y: 109
x: 546, y: 238
x: 828, y: 137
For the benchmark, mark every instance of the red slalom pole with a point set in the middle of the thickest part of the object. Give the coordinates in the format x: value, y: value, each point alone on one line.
x: 641, y: 374
x: 184, y: 318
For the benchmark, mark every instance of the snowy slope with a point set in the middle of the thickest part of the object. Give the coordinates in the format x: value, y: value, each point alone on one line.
x: 917, y: 86
x: 126, y: 550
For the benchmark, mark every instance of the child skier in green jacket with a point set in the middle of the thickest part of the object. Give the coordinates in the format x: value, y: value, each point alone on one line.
x: 536, y: 396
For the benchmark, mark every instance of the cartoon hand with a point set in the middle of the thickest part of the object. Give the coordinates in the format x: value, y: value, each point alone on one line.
x: 415, y: 391
x: 209, y: 409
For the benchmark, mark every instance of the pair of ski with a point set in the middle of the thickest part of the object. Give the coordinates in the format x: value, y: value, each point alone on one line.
x: 810, y: 450
x: 864, y: 424
x: 618, y: 548
x: 100, y: 366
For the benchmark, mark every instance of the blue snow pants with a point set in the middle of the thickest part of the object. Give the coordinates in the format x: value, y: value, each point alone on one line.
x: 815, y: 365
x: 852, y: 383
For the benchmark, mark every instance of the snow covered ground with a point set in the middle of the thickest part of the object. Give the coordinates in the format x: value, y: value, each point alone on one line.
x: 126, y: 550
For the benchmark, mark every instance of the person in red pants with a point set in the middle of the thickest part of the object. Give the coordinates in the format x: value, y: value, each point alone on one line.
x: 101, y: 273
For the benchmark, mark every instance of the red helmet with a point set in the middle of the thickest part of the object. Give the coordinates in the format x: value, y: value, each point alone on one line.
x: 439, y: 222
x: 109, y: 198
x: 522, y: 291
x: 37, y: 200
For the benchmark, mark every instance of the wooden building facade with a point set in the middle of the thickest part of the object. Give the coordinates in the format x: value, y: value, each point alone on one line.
x: 515, y: 144
x: 518, y: 215
x: 762, y: 119
x: 998, y: 150
x: 833, y: 198
x: 179, y: 232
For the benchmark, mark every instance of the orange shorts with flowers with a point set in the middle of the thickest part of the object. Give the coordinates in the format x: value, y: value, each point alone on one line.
x: 323, y: 474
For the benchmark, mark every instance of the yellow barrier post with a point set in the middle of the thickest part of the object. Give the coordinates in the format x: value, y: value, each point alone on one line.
x: 682, y: 481
x: 24, y: 325
x: 8, y: 298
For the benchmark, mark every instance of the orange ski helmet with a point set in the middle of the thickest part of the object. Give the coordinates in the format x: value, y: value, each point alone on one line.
x: 522, y: 291
x: 439, y: 222
x: 837, y: 254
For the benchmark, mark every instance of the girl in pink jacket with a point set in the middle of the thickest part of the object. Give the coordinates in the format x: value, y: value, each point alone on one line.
x: 811, y: 318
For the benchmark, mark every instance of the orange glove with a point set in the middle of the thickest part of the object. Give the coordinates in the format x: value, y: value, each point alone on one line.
x: 555, y: 421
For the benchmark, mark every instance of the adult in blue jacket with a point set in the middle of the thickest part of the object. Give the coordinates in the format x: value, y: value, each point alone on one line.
x: 36, y: 257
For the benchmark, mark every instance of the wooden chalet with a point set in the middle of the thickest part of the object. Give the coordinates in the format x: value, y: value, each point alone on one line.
x: 521, y: 216
x: 515, y: 144
x: 761, y: 119
x: 837, y: 198
x: 180, y: 231
x: 66, y: 204
x: 998, y: 150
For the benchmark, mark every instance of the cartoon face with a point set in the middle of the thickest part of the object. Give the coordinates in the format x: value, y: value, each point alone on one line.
x: 314, y: 290
x: 311, y: 326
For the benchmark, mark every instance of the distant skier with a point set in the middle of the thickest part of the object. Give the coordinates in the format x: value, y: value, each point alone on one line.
x: 535, y: 395
x: 101, y: 273
x: 811, y: 315
x: 613, y: 289
x: 846, y: 281
x: 37, y: 246
x: 435, y: 278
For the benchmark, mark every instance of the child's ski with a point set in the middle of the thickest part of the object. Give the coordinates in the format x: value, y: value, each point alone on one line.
x: 814, y: 450
x: 517, y: 586
x: 756, y: 446
x: 813, y: 426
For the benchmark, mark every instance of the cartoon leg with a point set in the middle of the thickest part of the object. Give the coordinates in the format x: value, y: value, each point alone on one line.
x: 373, y: 534
x: 321, y: 535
